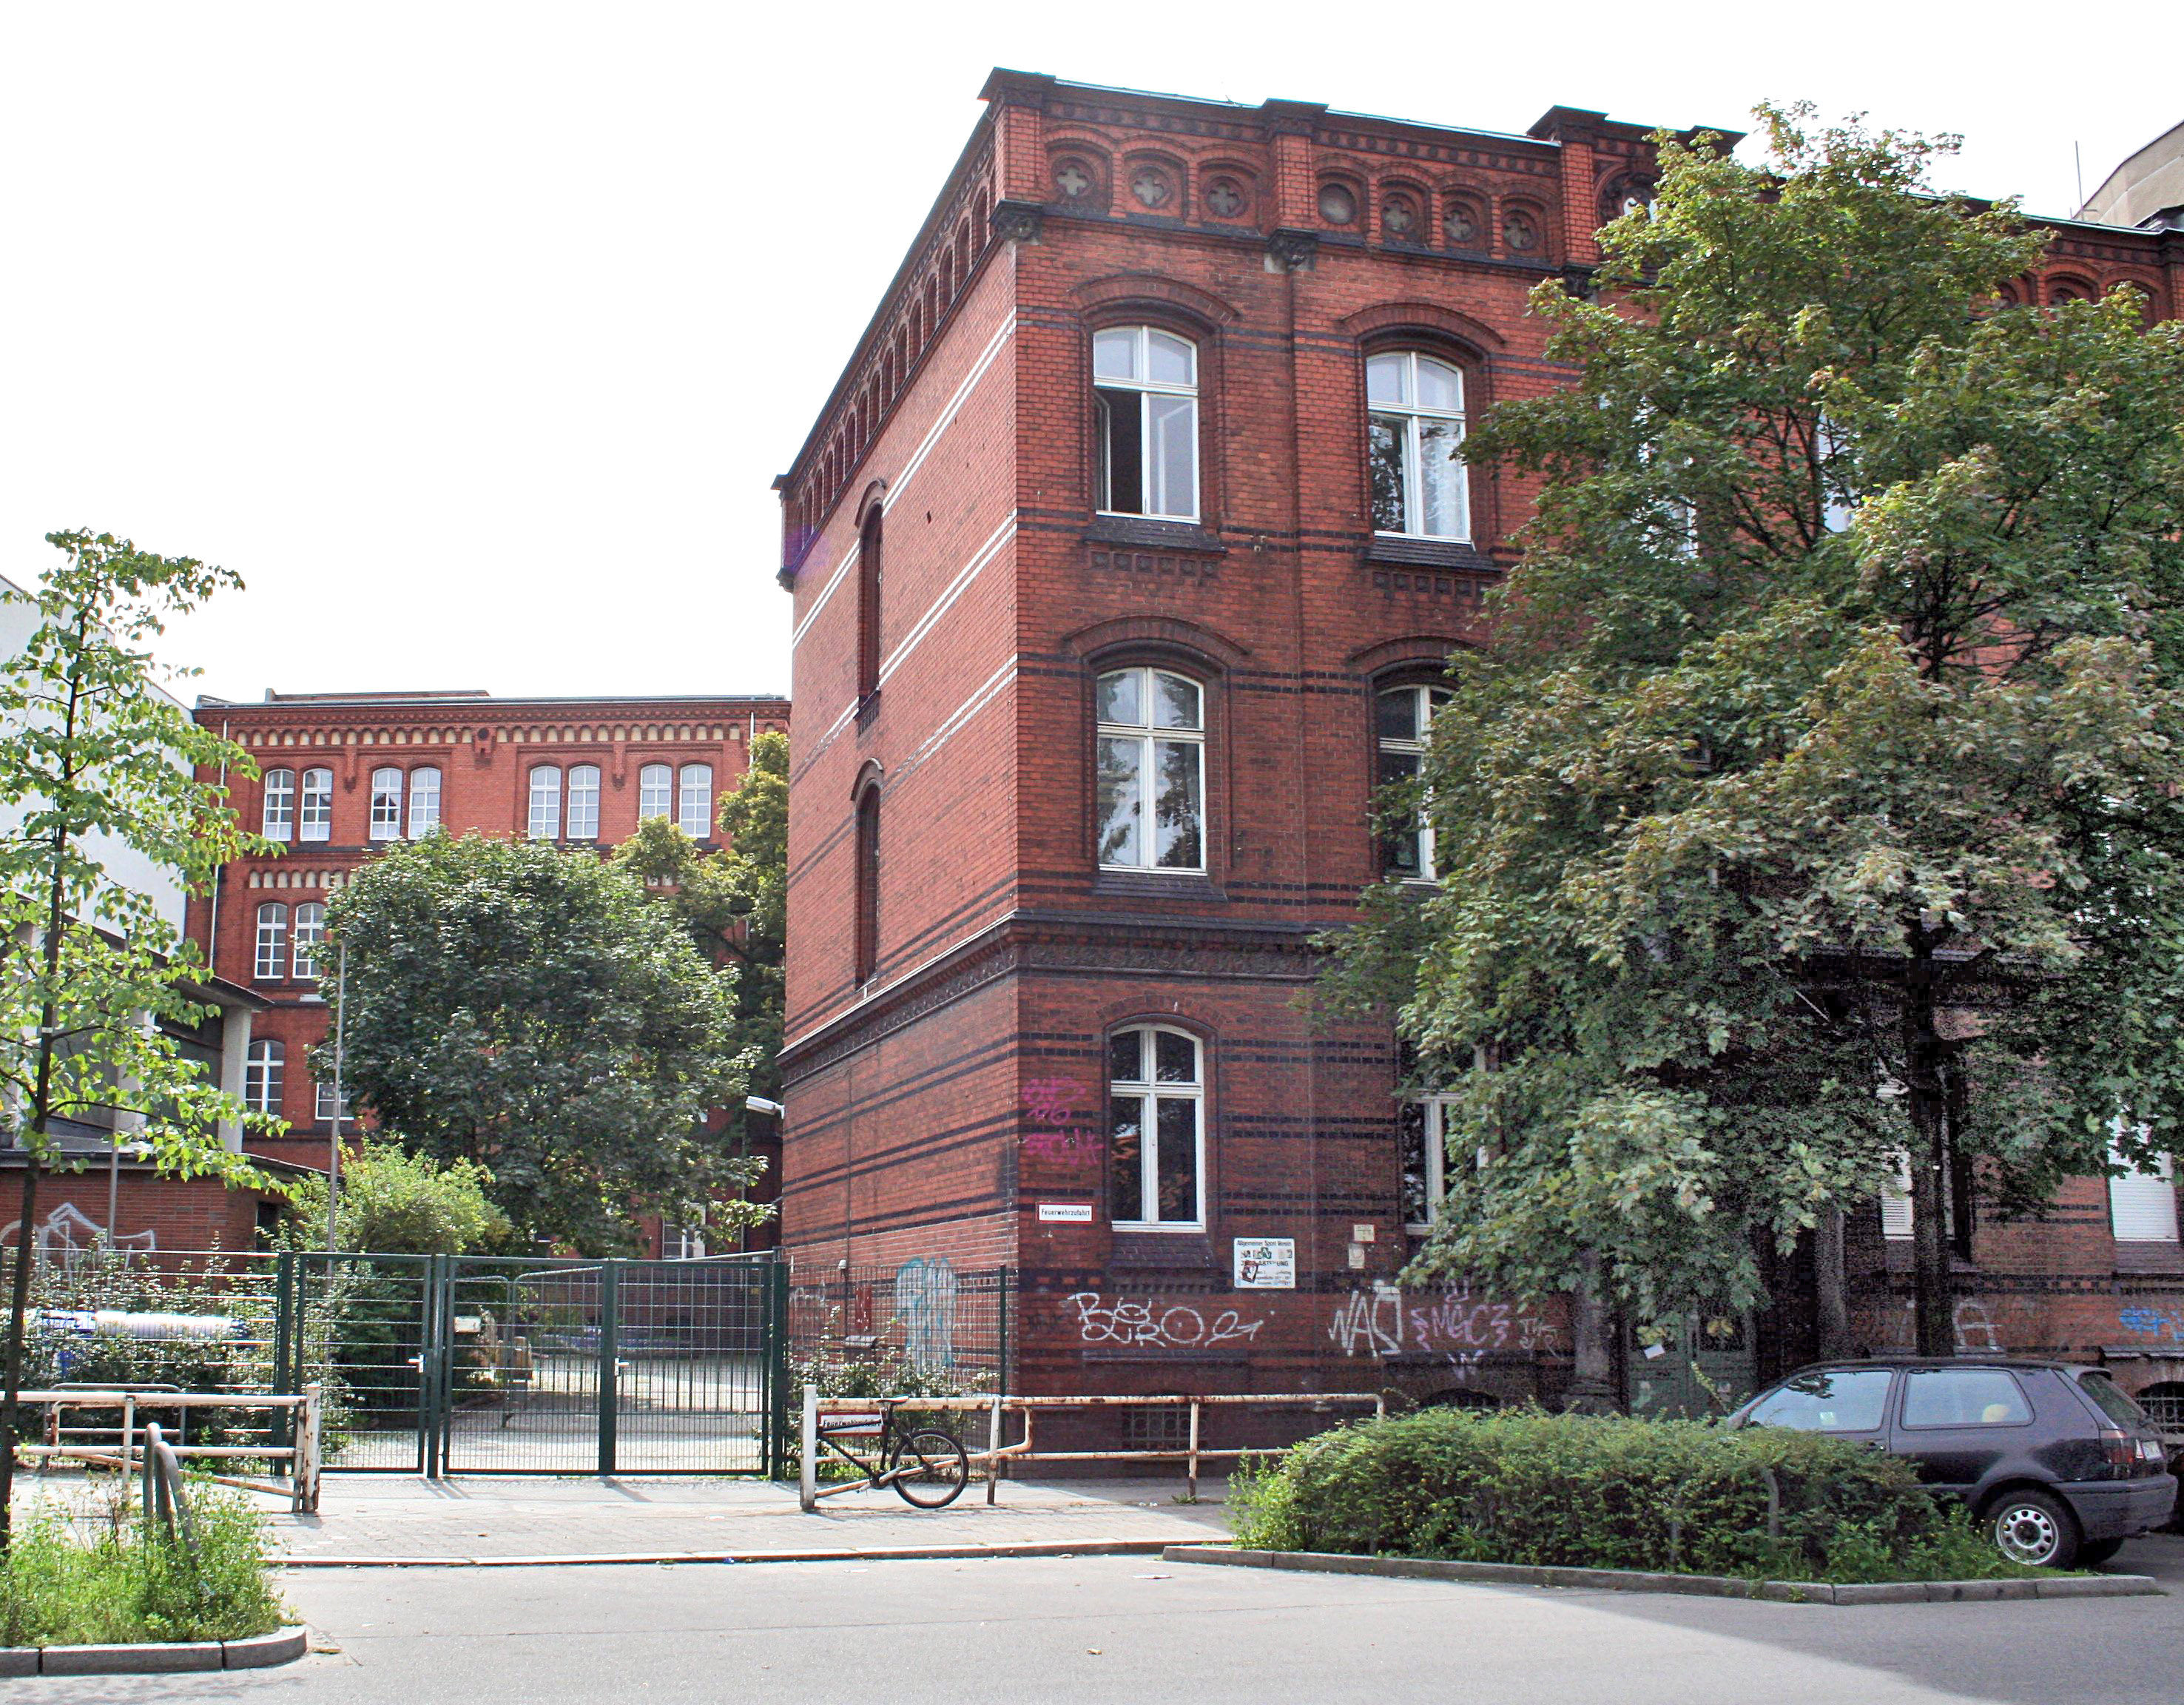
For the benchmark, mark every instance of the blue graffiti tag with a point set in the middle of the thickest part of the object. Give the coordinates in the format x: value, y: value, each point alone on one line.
x: 2153, y: 1322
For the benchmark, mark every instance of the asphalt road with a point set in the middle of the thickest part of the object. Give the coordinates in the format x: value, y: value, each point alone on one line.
x: 1135, y: 1629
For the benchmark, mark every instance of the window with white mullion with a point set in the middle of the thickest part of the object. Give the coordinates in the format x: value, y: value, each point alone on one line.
x: 314, y: 807
x: 309, y: 937
x: 545, y: 816
x: 271, y: 963
x: 1421, y: 1127
x: 1403, y: 719
x: 386, y: 805
x: 263, y: 1067
x: 279, y: 822
x: 1415, y: 453
x: 696, y: 818
x: 1150, y: 793
x: 655, y: 792
x: 1146, y: 392
x: 1156, y: 1129
x: 424, y: 802
x: 584, y: 802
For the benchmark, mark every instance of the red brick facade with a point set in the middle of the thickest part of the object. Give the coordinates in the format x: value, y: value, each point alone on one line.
x: 952, y: 1104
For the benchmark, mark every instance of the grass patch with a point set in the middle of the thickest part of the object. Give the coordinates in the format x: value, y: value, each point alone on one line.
x: 1680, y: 1497
x: 91, y: 1574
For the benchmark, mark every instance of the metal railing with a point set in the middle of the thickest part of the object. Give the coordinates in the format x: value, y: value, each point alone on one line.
x: 132, y: 1441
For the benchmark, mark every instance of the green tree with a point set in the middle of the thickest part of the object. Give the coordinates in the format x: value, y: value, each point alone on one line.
x: 530, y: 1010
x: 95, y: 758
x: 1817, y: 798
x: 394, y: 1202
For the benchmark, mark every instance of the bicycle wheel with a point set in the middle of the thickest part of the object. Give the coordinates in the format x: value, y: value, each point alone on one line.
x: 933, y: 1469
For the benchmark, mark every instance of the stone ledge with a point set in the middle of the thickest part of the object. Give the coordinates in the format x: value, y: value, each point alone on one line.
x: 284, y: 1646
x: 1700, y: 1585
x: 870, y: 1553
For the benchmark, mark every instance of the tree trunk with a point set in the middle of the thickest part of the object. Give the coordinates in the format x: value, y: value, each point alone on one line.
x: 1831, y: 1288
x: 1934, y: 1303
x: 18, y: 1306
x: 1592, y: 1383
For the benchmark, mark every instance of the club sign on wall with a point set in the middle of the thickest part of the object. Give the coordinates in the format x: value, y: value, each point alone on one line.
x: 1265, y: 1263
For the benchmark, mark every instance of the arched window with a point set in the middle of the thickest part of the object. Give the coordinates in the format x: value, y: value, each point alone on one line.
x: 386, y: 805
x: 545, y: 802
x: 867, y: 949
x: 868, y: 603
x: 697, y: 813
x: 1146, y: 396
x: 262, y: 1069
x: 314, y: 814
x: 655, y: 792
x: 424, y: 801
x: 1415, y: 447
x: 1157, y: 1128
x: 1402, y: 717
x: 584, y: 802
x: 1150, y: 796
x: 279, y: 823
x: 310, y: 935
x: 272, y: 963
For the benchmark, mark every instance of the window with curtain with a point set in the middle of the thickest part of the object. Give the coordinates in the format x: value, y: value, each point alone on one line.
x: 1402, y: 717
x: 584, y: 802
x: 310, y: 933
x: 1415, y: 446
x: 386, y: 805
x: 262, y: 1068
x: 697, y: 815
x: 424, y: 801
x: 278, y: 823
x: 1150, y: 793
x: 314, y: 807
x: 655, y: 792
x: 272, y: 963
x: 545, y: 824
x: 1157, y: 1128
x: 1145, y: 394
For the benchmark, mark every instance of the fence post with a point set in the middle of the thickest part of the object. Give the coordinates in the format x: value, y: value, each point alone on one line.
x: 303, y: 1467
x: 777, y: 1370
x: 436, y: 1310
x: 1191, y: 1490
x: 128, y: 1429
x: 807, y: 1482
x: 993, y: 1449
x: 284, y: 1332
x: 151, y: 1477
x: 610, y: 1350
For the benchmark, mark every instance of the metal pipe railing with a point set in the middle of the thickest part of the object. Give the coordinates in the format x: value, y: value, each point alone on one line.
x: 128, y: 1455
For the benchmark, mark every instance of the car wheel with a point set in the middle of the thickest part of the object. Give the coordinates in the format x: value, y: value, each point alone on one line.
x: 2034, y: 1528
x: 2098, y: 1551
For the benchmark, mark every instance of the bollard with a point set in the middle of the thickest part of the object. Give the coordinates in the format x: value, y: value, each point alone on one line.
x: 807, y: 1489
x: 993, y: 1449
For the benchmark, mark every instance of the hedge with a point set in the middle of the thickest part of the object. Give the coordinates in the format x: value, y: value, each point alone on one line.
x: 1522, y: 1486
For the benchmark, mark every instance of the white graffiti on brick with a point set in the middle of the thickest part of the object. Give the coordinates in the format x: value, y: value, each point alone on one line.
x: 1382, y: 1320
x: 1147, y: 1322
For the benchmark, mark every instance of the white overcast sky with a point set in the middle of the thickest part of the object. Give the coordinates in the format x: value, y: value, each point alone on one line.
x: 473, y: 334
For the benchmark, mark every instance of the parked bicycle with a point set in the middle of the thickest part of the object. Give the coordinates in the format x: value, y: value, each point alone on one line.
x: 928, y: 1467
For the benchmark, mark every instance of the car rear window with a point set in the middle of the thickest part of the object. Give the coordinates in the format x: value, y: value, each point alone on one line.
x: 1963, y: 1397
x: 1843, y: 1399
x: 2112, y: 1399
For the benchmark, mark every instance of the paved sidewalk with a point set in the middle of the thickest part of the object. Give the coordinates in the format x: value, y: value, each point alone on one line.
x: 390, y: 1519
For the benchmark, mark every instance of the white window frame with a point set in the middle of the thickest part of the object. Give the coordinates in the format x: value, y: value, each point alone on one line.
x: 1895, y: 1222
x: 544, y: 822
x: 2141, y: 1204
x: 303, y: 947
x: 277, y: 822
x: 1148, y: 737
x: 655, y: 792
x: 265, y: 1068
x: 271, y: 962
x: 1424, y: 696
x: 1412, y: 416
x: 1149, y: 1094
x: 702, y: 814
x: 315, y: 805
x: 1159, y: 503
x: 581, y: 802
x: 424, y: 801
x: 386, y: 803
x: 322, y: 1102
x: 1434, y: 1162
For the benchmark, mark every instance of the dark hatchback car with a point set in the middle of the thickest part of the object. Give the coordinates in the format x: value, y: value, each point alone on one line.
x: 2057, y: 1462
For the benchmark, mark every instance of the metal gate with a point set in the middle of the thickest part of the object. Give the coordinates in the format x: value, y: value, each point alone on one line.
x: 448, y: 1364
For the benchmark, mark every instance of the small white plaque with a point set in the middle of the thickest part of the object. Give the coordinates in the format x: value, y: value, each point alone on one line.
x: 1265, y: 1263
x: 1362, y: 1233
x: 1065, y: 1213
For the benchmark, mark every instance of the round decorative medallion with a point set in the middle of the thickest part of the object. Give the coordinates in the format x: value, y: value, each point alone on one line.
x: 1520, y: 233
x: 1462, y: 227
x: 1337, y: 206
x: 1072, y: 179
x: 1399, y: 216
x: 1224, y: 197
x: 1151, y: 187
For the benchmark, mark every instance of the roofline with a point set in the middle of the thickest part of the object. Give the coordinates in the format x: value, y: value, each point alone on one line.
x: 389, y: 701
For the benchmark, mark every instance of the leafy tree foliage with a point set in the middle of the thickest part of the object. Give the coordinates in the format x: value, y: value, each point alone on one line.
x: 1819, y: 797
x: 394, y: 1202
x: 94, y: 759
x: 532, y: 1011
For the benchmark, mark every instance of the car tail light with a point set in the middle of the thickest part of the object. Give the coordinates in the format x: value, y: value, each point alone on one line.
x: 2121, y: 1451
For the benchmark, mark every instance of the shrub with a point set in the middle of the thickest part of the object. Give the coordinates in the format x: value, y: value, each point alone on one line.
x: 92, y: 1575
x: 1522, y: 1486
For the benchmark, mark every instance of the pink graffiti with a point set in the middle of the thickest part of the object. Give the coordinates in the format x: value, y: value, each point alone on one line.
x: 1053, y: 1100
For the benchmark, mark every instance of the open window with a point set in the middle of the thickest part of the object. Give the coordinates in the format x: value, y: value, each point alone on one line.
x: 1150, y: 791
x: 1145, y: 393
x: 1415, y: 446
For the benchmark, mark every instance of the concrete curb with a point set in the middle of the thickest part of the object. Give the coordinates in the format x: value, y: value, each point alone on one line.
x: 284, y: 1646
x: 1700, y: 1585
x: 1088, y: 1547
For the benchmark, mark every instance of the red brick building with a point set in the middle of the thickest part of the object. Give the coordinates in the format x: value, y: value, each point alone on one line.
x: 343, y: 775
x: 1122, y: 570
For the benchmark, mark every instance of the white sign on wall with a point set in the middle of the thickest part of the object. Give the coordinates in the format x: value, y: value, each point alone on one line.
x: 1065, y: 1213
x: 1265, y: 1263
